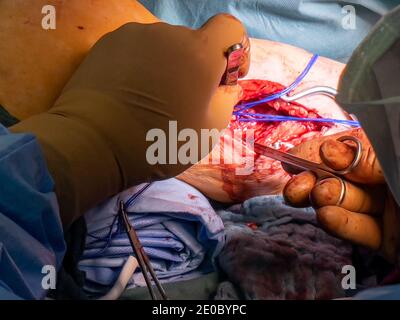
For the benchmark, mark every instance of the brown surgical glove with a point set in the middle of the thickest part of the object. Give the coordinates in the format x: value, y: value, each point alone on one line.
x: 136, y: 78
x: 368, y: 214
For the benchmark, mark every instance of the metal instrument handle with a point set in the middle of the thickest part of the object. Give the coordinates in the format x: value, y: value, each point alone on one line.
x: 234, y: 58
x: 319, y: 168
x: 324, y: 90
x: 141, y: 256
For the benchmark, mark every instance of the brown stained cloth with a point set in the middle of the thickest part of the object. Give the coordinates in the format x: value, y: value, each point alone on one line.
x: 133, y: 80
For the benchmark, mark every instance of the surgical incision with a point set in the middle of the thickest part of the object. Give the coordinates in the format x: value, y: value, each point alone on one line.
x: 221, y: 181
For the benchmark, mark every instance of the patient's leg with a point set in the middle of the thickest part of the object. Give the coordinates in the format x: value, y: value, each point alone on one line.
x: 35, y: 63
x: 280, y: 63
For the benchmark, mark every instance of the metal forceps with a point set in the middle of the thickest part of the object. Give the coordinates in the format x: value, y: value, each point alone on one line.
x: 323, y: 90
x: 141, y: 256
x: 322, y: 170
x: 236, y: 55
x: 317, y: 90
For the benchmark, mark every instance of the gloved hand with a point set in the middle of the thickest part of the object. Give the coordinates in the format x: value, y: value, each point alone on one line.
x: 367, y: 215
x: 135, y: 79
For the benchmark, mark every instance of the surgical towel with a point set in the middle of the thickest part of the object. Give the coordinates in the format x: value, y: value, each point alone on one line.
x: 274, y: 251
x: 175, y: 223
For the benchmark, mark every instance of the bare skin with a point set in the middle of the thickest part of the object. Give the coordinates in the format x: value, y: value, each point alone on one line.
x: 35, y: 64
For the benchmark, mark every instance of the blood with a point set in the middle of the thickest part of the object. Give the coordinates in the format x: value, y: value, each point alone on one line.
x: 252, y: 226
x: 192, y: 196
x: 279, y: 135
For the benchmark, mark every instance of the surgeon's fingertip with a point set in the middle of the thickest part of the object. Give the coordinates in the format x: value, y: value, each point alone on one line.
x: 238, y: 91
x: 234, y: 91
x: 222, y: 18
x: 326, y: 192
x: 224, y: 30
x: 297, y: 190
x: 337, y: 155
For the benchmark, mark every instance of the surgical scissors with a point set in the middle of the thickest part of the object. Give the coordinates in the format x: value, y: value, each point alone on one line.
x: 141, y: 256
x: 322, y: 170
